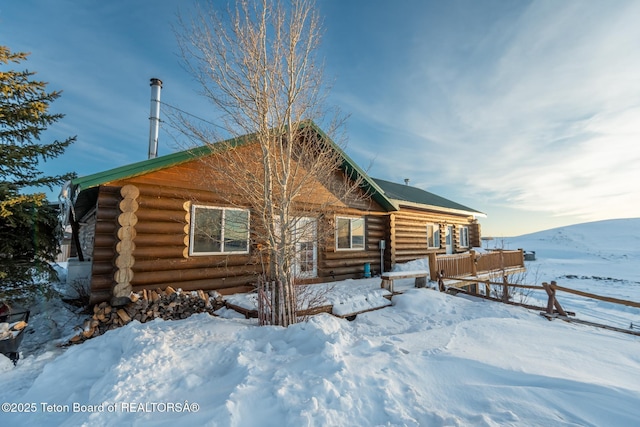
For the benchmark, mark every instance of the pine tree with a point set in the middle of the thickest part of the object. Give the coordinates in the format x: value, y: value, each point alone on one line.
x: 29, y: 234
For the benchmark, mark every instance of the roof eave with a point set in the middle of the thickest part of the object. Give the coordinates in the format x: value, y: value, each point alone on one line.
x: 475, y: 214
x: 152, y: 165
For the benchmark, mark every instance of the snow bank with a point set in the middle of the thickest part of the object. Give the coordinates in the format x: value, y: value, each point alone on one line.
x: 429, y: 359
x: 417, y: 265
x: 432, y: 359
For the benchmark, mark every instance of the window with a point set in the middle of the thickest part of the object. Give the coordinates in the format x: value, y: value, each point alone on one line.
x: 305, y: 238
x: 218, y: 231
x: 350, y: 233
x: 464, y: 237
x: 433, y: 235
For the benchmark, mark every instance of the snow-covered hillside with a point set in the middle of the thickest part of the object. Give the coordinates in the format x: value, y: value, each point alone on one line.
x: 598, y: 248
x: 430, y: 359
x: 601, y: 257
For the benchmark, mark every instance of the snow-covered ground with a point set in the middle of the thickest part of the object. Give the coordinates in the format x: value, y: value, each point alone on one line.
x: 430, y: 359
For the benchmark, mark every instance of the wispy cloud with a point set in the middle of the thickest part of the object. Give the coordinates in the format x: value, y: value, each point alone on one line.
x: 545, y: 116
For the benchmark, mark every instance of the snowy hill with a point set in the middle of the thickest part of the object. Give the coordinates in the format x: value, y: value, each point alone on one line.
x: 603, y: 249
x: 431, y: 359
x: 609, y: 240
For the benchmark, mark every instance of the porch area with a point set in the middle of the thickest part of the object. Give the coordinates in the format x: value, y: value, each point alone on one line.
x: 460, y: 269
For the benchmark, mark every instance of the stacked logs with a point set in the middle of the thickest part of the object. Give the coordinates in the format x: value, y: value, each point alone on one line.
x: 125, y: 247
x: 148, y: 305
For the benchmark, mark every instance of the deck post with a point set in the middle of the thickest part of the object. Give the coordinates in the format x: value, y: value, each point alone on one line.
x: 521, y: 257
x: 474, y: 263
x: 433, y: 266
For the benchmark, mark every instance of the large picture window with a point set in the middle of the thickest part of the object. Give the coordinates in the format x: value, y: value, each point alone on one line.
x: 433, y: 235
x: 218, y: 231
x: 349, y: 233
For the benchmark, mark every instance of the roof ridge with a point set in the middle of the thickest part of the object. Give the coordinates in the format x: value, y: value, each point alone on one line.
x: 411, y: 194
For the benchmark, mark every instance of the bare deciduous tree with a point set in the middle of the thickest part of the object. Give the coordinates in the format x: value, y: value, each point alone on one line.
x: 257, y: 63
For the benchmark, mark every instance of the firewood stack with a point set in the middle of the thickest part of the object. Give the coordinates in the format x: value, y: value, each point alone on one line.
x: 148, y: 305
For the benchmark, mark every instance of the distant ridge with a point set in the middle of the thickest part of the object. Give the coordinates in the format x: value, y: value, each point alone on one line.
x: 633, y: 223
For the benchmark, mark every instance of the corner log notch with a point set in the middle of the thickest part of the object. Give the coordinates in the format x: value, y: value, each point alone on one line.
x: 125, y: 246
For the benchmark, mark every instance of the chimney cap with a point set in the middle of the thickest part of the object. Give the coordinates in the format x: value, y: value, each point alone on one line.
x: 156, y: 82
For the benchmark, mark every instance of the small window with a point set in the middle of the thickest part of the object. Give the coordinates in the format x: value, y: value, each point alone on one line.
x: 218, y: 231
x: 464, y: 237
x: 350, y: 233
x: 433, y: 235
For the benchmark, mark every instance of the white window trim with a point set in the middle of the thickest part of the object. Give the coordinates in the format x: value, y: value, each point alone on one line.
x: 298, y: 234
x: 464, y: 234
x: 436, y: 232
x: 223, y: 209
x: 364, y: 237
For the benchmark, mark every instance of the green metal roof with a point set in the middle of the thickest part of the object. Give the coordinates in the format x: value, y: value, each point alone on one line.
x: 162, y: 162
x: 410, y: 194
x: 150, y: 165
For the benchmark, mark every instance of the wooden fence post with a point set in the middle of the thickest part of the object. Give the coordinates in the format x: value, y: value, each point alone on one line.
x: 555, y: 300
x: 551, y: 291
x: 551, y: 294
x: 487, y: 288
x: 505, y: 289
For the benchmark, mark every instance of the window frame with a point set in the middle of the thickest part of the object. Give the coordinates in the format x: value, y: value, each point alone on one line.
x: 463, y: 231
x: 435, y: 233
x: 351, y: 220
x: 224, y: 210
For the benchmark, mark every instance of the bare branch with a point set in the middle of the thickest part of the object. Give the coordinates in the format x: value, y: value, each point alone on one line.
x: 257, y: 64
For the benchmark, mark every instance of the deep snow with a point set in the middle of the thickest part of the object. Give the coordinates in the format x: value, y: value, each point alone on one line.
x: 430, y: 359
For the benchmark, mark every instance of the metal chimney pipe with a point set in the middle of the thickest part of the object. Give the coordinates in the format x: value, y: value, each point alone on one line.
x: 154, y: 117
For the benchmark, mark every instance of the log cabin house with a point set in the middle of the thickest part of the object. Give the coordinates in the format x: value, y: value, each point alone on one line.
x: 132, y: 227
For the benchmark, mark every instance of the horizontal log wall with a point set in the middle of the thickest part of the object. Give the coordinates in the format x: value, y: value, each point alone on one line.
x: 162, y: 242
x: 408, y: 233
x: 475, y: 235
x: 158, y: 235
x: 342, y: 264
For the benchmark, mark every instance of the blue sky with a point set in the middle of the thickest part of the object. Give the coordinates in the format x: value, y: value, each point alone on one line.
x: 528, y: 111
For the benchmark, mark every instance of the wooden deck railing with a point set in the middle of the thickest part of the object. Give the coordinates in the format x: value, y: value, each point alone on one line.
x: 456, y: 265
x: 497, y: 260
x: 472, y: 263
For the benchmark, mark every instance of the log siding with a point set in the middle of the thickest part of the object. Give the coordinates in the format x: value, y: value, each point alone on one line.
x: 137, y: 234
x: 408, y: 233
x: 154, y: 249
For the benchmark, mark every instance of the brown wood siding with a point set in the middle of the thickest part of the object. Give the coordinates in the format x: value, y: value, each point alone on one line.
x: 408, y: 233
x: 342, y: 264
x: 104, y: 249
x: 162, y: 242
x: 161, y: 238
x: 475, y: 235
